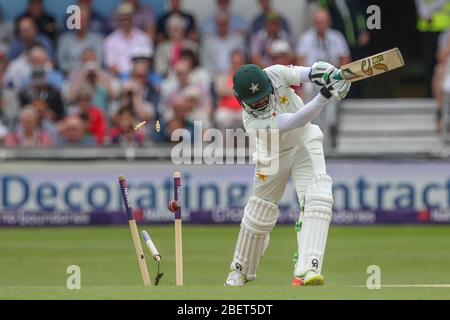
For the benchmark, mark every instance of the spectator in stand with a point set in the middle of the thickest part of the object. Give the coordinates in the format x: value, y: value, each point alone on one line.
x: 189, y: 22
x: 9, y: 105
x: 45, y: 118
x: 6, y: 31
x: 443, y: 48
x: 168, y: 52
x: 441, y: 83
x: 3, y: 132
x: 236, y: 23
x: 143, y: 62
x: 18, y: 73
x: 198, y: 75
x: 200, y: 111
x: 144, y: 18
x: 200, y: 78
x: 124, y: 134
x: 217, y: 49
x: 97, y: 22
x: 40, y: 87
x: 433, y: 18
x: 281, y: 53
x: 348, y: 17
x: 102, y: 87
x: 45, y: 23
x: 179, y: 122
x: 321, y: 43
x: 28, y: 36
x: 119, y: 45
x: 3, y: 60
x: 73, y: 133
x: 229, y: 111
x: 95, y: 119
x: 87, y: 56
x: 139, y: 77
x: 28, y: 134
x: 133, y: 98
x: 154, y: 80
x: 73, y: 43
x: 261, y: 42
x: 138, y: 94
x: 181, y: 98
x: 259, y: 22
x: 19, y: 70
x: 171, y: 89
x: 183, y: 110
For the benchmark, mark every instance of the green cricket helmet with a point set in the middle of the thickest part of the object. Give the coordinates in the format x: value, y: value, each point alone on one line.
x: 252, y: 88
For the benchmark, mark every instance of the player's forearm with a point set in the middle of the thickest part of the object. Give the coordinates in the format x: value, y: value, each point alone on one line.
x: 304, y: 74
x: 290, y: 121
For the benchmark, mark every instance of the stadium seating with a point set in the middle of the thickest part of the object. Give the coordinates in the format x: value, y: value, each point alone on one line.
x: 401, y: 126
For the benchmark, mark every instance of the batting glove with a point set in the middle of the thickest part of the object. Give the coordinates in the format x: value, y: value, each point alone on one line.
x: 323, y: 74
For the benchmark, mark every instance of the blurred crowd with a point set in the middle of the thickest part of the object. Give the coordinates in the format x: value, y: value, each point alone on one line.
x: 434, y: 23
x: 92, y: 85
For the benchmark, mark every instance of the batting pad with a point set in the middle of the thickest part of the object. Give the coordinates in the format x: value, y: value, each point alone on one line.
x: 260, y: 217
x: 312, y: 237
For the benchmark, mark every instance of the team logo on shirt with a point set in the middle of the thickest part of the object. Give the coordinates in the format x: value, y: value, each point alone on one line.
x: 261, y: 176
x: 254, y: 88
x: 284, y: 100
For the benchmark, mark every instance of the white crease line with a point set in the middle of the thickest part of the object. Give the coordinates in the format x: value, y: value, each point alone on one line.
x: 409, y: 286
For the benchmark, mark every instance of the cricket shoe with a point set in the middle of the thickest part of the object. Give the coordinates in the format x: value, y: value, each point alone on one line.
x: 235, y: 279
x: 311, y: 278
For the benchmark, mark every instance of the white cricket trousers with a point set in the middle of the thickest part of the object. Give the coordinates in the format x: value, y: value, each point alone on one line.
x: 302, y: 163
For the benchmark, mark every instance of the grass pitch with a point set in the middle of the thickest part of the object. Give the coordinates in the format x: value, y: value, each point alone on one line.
x: 33, y: 264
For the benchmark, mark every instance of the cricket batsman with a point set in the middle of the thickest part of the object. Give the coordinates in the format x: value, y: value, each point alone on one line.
x: 270, y: 104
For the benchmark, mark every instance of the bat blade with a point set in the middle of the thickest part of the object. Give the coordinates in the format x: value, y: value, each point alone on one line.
x: 372, y: 66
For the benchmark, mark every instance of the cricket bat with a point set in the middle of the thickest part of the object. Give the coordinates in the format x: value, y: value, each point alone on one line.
x: 372, y: 66
x: 134, y: 232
